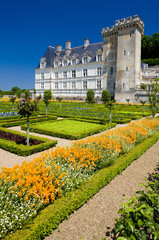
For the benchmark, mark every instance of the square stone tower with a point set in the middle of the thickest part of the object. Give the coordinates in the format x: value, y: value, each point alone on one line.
x: 122, y: 58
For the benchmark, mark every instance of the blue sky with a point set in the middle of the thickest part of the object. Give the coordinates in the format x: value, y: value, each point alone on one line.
x: 29, y: 27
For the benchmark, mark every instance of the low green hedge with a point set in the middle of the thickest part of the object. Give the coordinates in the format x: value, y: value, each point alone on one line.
x: 18, y: 122
x: 50, y: 217
x: 71, y: 136
x: 97, y: 120
x: 23, y: 150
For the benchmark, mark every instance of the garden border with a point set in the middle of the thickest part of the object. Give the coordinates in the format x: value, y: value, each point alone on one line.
x: 22, y: 150
x: 81, y: 135
x: 50, y: 217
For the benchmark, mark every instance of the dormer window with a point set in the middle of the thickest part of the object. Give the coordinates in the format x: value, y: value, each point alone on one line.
x: 73, y: 61
x: 43, y: 62
x: 56, y: 64
x: 85, y: 59
x: 65, y: 63
x: 99, y: 57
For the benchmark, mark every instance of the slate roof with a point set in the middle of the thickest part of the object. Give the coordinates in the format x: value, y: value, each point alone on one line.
x: 50, y: 53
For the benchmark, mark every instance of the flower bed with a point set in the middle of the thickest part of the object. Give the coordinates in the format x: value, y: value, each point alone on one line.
x: 21, y: 149
x: 26, y: 189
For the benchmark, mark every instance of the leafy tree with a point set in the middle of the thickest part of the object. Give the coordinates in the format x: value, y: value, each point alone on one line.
x: 26, y: 109
x: 18, y: 93
x: 110, y: 105
x: 152, y: 96
x: 143, y: 104
x: 106, y: 96
x: 59, y: 99
x: 47, y: 97
x: 90, y: 96
x: 27, y: 93
x: 15, y: 89
x: 12, y: 100
x: 34, y: 92
x: 143, y: 86
x: 1, y: 93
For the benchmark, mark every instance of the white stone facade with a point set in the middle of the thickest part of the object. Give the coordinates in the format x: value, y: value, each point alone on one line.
x: 114, y: 64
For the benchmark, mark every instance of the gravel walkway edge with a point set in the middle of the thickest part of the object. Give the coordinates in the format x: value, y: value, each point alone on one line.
x: 90, y: 222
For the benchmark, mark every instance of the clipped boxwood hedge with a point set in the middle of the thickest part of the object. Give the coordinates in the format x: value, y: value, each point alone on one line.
x: 23, y: 150
x: 50, y: 217
x: 11, y: 123
x: 71, y: 136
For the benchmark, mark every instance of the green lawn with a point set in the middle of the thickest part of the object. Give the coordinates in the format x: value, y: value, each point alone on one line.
x: 69, y: 128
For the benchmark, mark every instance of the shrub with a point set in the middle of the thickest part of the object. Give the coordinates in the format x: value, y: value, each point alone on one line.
x: 106, y: 96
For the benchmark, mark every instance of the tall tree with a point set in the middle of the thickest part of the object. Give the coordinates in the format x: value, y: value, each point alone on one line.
x: 26, y: 109
x: 12, y: 100
x: 90, y: 96
x: 106, y: 97
x: 47, y: 97
x: 152, y: 96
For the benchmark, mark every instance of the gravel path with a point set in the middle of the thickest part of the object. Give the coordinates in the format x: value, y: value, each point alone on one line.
x: 90, y: 222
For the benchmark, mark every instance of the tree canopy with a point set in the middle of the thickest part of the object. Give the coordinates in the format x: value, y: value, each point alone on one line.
x: 150, y: 46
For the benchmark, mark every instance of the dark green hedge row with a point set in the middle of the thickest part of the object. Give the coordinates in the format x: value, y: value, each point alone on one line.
x: 50, y: 217
x: 151, y: 61
x: 23, y: 150
x: 95, y: 120
x: 12, y: 123
x: 34, y: 128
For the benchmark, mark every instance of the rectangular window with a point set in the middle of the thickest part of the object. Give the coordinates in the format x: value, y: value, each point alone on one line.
x: 111, y: 71
x: 85, y: 60
x: 42, y: 75
x: 64, y: 85
x: 123, y: 85
x: 42, y: 85
x: 99, y: 57
x: 127, y: 69
x: 56, y: 74
x: 65, y: 63
x: 84, y: 72
x: 73, y: 85
x: 124, y: 52
x: 85, y: 85
x: 99, y: 85
x: 73, y: 73
x: 74, y: 62
x: 56, y: 85
x: 65, y: 74
x: 99, y: 71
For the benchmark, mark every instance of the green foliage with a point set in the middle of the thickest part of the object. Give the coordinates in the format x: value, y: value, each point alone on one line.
x: 15, y: 89
x: 23, y: 150
x: 18, y: 93
x: 110, y: 105
x: 47, y: 96
x: 50, y: 217
x: 90, y: 96
x: 140, y: 217
x: 152, y: 96
x: 68, y: 129
x: 151, y: 61
x: 106, y: 96
x: 150, y: 46
x: 1, y: 93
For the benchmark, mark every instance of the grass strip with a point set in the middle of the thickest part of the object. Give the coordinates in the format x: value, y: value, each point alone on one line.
x: 50, y: 217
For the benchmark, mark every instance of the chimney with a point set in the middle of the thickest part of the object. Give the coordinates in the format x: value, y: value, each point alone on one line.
x: 68, y: 47
x: 86, y: 43
x: 58, y: 48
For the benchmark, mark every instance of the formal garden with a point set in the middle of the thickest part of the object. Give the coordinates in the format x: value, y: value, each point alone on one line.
x: 37, y: 195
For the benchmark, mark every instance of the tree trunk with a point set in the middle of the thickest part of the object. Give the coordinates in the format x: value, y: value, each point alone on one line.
x: 46, y: 110
x: 110, y: 114
x: 60, y: 104
x: 27, y: 131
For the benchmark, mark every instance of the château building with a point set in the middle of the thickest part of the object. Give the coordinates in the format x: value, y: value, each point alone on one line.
x: 114, y: 64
